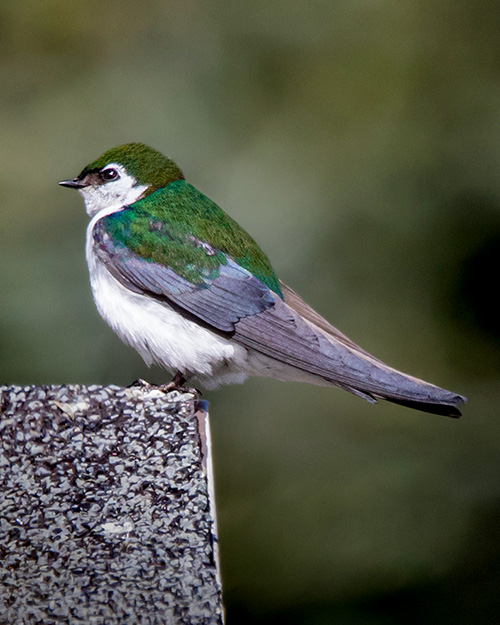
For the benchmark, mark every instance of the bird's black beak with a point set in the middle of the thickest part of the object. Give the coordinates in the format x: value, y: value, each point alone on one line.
x: 73, y: 184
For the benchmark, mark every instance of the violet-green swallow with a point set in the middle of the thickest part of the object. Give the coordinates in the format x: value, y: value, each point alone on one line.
x: 180, y: 281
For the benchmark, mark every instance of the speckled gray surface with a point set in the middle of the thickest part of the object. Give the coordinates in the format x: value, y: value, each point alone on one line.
x: 104, y: 511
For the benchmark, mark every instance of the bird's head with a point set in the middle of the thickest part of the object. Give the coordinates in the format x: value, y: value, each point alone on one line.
x: 123, y: 175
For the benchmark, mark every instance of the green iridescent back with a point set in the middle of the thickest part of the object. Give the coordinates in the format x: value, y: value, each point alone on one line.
x: 161, y: 226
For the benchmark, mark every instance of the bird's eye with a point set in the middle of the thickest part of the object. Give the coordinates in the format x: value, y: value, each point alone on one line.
x: 109, y: 174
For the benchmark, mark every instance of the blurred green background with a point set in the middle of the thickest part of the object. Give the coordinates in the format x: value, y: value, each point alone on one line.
x: 358, y: 142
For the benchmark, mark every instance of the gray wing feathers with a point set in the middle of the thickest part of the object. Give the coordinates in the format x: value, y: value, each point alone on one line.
x: 227, y: 300
x: 282, y: 333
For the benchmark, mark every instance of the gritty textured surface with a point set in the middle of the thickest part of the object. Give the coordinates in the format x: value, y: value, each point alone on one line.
x: 104, y: 511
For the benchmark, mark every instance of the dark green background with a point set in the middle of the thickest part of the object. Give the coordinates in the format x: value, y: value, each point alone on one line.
x: 358, y: 142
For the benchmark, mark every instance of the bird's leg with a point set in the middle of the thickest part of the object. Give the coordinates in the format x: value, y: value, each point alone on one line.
x: 178, y: 381
x: 177, y: 384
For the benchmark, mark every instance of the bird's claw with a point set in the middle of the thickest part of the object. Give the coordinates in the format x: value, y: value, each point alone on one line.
x: 140, y: 383
x: 177, y: 384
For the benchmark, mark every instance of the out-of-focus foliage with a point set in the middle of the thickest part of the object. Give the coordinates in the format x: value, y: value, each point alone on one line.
x: 358, y: 142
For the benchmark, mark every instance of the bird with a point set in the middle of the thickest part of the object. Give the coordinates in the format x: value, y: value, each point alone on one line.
x: 180, y: 281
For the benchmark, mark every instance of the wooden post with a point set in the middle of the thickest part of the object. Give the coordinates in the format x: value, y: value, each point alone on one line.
x: 106, y: 515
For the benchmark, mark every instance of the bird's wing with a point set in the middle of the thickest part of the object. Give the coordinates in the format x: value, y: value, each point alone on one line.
x: 292, y: 332
x: 200, y: 280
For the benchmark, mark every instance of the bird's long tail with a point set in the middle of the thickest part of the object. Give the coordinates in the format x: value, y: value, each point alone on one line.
x: 294, y: 334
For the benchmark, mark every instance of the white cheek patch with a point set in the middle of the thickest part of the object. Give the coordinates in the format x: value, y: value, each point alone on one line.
x: 113, y: 195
